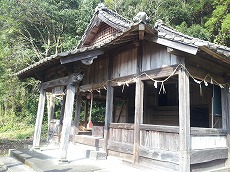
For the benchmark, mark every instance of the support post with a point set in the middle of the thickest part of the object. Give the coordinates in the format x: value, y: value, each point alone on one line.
x: 86, y: 112
x: 77, y: 115
x: 61, y: 117
x: 39, y: 118
x: 225, y: 104
x: 50, y: 108
x: 66, y: 128
x: 108, y: 114
x: 184, y: 121
x: 139, y: 97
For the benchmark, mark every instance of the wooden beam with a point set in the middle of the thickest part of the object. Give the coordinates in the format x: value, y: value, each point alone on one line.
x: 70, y: 93
x: 39, y: 118
x: 161, y: 128
x: 184, y: 121
x: 120, y: 147
x: 215, y: 55
x: 56, y: 82
x: 141, y: 31
x: 108, y: 113
x: 139, y: 97
x: 77, y: 115
x: 201, y: 73
x: 176, y: 45
x: 225, y: 104
x: 122, y: 126
x: 160, y: 155
x: 75, y: 78
x: 81, y: 56
x: 196, y: 131
x: 206, y: 155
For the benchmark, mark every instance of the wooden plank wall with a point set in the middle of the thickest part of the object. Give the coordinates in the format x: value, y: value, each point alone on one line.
x: 156, y: 56
x: 124, y: 64
x: 97, y: 72
x: 160, y: 140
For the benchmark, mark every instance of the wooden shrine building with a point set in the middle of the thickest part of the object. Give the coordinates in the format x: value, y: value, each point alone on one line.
x: 166, y: 94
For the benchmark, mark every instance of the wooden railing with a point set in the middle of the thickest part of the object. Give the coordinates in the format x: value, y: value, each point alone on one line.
x: 121, y: 132
x: 160, y: 137
x: 209, y: 137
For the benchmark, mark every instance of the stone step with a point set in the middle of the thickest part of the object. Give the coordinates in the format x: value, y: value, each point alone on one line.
x: 9, y: 164
x: 96, y: 155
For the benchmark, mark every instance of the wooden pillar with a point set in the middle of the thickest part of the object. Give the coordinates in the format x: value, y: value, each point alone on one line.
x: 40, y: 114
x: 184, y: 122
x: 50, y: 108
x: 86, y: 112
x: 225, y: 104
x: 61, y: 117
x: 108, y: 113
x: 66, y: 128
x: 139, y: 96
x: 77, y: 115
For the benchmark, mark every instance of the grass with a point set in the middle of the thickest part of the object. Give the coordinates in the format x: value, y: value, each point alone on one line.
x: 21, y: 131
x: 18, y: 134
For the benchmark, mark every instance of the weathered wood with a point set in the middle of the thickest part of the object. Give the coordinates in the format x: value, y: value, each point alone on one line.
x: 206, y: 155
x: 141, y: 31
x: 208, y: 142
x: 176, y: 45
x: 160, y: 72
x: 216, y: 55
x: 160, y: 155
x: 89, y: 140
x: 74, y: 78
x: 121, y: 135
x: 124, y: 64
x: 77, y: 115
x: 39, y: 118
x: 201, y: 73
x: 70, y: 93
x: 156, y: 165
x: 120, y: 147
x: 85, y: 113
x: 208, y: 131
x: 56, y: 82
x: 184, y: 121
x: 61, y: 116
x: 139, y: 97
x: 108, y: 113
x: 161, y: 128
x: 225, y: 104
x: 122, y: 125
x: 160, y: 140
x: 81, y: 56
x: 214, y: 165
x: 50, y: 108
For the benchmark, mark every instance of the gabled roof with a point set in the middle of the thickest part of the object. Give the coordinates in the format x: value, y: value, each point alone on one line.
x: 103, y: 14
x: 160, y: 34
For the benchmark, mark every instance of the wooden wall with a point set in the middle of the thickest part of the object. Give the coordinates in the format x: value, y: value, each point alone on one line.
x: 97, y: 72
x: 156, y: 56
x: 125, y: 63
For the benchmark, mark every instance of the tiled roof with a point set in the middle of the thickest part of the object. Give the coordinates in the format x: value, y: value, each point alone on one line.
x: 110, y: 17
x: 170, y: 34
x: 53, y: 58
x: 164, y: 32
